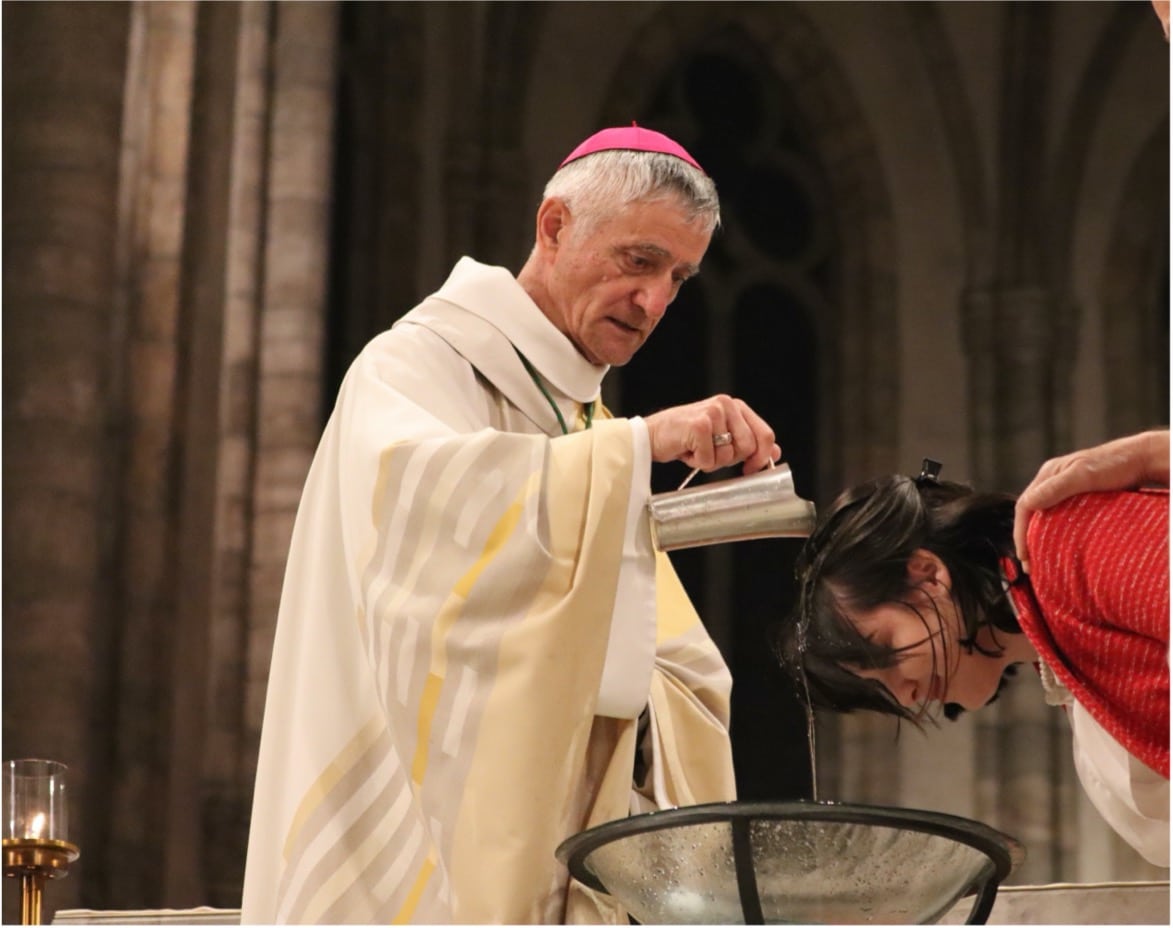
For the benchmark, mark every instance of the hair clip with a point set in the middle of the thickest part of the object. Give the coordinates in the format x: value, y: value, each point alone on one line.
x: 930, y: 471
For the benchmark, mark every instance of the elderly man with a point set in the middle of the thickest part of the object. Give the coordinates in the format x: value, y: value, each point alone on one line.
x: 478, y: 651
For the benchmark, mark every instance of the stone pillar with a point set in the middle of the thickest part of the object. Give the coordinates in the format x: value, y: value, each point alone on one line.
x: 153, y: 198
x: 1016, y: 351
x: 1012, y: 345
x: 462, y: 163
x: 219, y: 297
x: 1018, y: 334
x: 271, y: 387
x: 291, y: 317
x: 167, y: 171
x: 506, y: 215
x: 63, y: 75
x: 381, y: 177
x: 867, y: 759
x: 464, y: 136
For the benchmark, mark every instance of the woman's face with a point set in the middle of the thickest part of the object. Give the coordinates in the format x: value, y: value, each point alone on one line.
x: 926, y: 629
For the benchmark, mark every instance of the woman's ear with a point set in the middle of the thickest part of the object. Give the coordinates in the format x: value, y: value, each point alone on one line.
x: 925, y: 568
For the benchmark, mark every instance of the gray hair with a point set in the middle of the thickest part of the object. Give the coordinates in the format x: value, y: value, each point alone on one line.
x: 600, y: 184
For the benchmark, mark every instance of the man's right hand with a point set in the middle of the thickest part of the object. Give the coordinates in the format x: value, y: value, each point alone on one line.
x: 686, y: 433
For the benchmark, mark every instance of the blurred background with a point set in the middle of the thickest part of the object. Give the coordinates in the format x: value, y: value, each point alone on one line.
x: 946, y: 234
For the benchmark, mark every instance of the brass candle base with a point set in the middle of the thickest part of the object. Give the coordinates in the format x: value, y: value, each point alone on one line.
x: 36, y: 860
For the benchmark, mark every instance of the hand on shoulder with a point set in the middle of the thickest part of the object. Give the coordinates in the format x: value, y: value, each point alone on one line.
x: 1121, y: 464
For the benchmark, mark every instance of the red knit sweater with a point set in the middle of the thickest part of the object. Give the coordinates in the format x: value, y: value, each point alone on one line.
x: 1099, y: 613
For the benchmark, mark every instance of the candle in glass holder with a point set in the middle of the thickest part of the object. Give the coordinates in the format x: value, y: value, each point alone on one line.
x: 35, y: 804
x: 36, y: 830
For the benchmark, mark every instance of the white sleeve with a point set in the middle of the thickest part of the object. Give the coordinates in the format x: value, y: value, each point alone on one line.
x: 1131, y: 796
x: 631, y: 647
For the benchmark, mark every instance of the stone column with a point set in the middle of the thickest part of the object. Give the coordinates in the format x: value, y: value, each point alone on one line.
x: 1017, y: 330
x: 381, y: 175
x: 1012, y: 345
x: 271, y: 395
x: 1023, y: 748
x: 506, y: 215
x: 63, y: 75
x: 290, y: 318
x: 220, y: 284
x: 153, y: 198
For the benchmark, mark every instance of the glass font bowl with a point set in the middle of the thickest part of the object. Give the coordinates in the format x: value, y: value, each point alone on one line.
x: 812, y: 863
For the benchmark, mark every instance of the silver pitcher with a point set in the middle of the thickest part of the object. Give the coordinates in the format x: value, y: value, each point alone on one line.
x: 761, y: 505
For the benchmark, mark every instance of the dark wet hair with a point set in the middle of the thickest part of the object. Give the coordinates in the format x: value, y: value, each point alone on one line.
x: 857, y: 558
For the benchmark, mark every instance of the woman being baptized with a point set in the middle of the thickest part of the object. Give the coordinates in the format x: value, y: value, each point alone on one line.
x: 911, y: 600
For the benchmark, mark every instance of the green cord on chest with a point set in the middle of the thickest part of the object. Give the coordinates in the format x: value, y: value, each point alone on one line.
x: 588, y: 409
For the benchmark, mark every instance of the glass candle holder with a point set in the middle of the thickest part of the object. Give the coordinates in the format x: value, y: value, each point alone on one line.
x: 36, y: 830
x: 36, y: 806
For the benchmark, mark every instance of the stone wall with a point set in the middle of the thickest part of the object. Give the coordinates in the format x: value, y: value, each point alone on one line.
x: 167, y: 181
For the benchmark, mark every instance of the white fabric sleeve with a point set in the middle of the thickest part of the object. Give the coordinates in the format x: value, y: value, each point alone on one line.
x: 631, y: 646
x: 1131, y: 796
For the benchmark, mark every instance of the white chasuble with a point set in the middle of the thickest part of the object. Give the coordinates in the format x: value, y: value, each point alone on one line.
x: 444, y: 707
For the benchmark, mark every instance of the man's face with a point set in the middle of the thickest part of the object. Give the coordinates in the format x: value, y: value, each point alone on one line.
x: 610, y: 283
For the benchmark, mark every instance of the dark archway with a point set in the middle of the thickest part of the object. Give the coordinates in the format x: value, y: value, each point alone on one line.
x: 792, y: 311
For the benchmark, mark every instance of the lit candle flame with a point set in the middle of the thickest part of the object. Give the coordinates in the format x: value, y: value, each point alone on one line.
x: 36, y: 826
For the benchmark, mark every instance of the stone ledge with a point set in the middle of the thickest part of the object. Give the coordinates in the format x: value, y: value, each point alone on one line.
x: 1052, y: 904
x: 1074, y: 904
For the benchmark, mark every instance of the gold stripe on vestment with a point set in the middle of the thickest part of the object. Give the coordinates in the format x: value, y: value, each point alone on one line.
x: 403, y: 916
x: 501, y: 533
x: 335, y: 771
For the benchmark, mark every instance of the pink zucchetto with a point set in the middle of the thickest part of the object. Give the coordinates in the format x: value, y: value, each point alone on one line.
x: 631, y: 138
